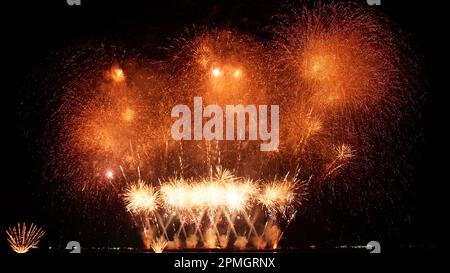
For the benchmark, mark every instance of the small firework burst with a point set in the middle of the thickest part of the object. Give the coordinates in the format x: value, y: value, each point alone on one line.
x: 21, y: 238
x: 280, y: 196
x: 141, y: 198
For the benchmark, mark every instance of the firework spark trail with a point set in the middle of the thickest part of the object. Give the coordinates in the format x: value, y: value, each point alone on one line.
x: 21, y: 238
x: 343, y: 154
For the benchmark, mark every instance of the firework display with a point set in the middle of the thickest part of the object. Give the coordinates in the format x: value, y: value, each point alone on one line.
x: 338, y: 74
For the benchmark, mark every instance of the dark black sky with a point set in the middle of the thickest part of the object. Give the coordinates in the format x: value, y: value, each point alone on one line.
x: 33, y: 31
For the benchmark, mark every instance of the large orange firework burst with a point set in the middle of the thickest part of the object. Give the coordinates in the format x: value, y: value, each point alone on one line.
x: 111, y: 125
x: 343, y: 66
x: 223, y: 66
x: 335, y: 70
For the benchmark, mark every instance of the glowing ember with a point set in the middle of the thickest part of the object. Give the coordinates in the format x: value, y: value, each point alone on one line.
x: 216, y: 72
x: 128, y: 114
x: 117, y: 75
x: 109, y: 174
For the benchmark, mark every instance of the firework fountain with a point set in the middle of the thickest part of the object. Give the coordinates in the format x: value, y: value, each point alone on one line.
x: 21, y: 238
x: 214, y: 210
